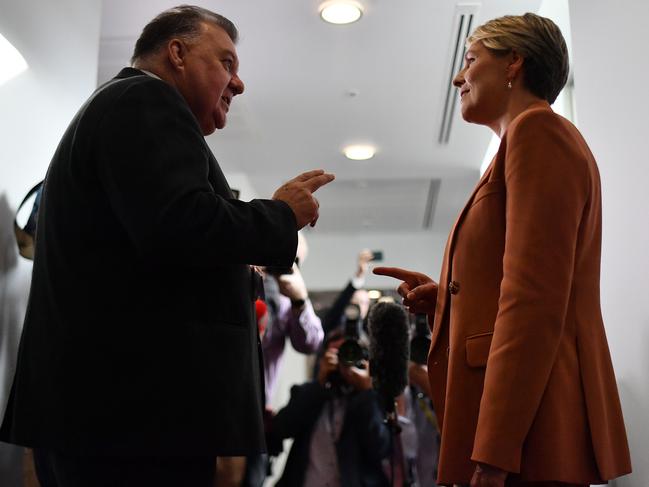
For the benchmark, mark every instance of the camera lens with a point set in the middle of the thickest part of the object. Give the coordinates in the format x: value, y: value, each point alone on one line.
x: 351, y: 353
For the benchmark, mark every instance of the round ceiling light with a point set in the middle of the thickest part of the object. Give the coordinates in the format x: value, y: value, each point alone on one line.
x: 340, y: 11
x: 359, y: 152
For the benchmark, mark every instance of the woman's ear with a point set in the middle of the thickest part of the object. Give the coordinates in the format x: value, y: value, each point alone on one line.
x: 515, y: 66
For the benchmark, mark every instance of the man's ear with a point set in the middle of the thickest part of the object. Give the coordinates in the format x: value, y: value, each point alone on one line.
x: 176, y: 53
x: 515, y: 67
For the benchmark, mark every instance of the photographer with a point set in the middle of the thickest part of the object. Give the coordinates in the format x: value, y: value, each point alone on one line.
x: 337, y: 424
x: 353, y: 292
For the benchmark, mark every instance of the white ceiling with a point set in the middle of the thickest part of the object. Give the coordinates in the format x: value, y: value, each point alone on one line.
x: 297, y: 113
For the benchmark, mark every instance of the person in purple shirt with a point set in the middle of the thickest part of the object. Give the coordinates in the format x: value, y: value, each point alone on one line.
x: 291, y: 316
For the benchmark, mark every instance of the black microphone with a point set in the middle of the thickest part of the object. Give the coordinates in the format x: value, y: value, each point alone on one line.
x: 389, y: 351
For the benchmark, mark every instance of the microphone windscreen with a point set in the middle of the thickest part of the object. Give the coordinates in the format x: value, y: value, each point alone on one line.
x: 389, y: 349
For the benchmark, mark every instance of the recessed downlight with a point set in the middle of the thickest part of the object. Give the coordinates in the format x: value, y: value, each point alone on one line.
x: 340, y: 11
x: 359, y: 152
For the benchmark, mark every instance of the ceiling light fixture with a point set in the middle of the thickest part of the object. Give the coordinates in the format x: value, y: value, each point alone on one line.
x: 340, y: 11
x: 359, y: 152
x: 11, y: 61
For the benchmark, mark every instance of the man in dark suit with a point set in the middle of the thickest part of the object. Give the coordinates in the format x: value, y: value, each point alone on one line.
x: 139, y: 361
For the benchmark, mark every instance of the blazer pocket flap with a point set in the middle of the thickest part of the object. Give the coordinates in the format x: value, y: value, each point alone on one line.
x: 486, y: 189
x: 477, y: 349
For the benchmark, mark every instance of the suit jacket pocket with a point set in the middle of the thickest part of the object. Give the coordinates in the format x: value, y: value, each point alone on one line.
x: 477, y: 349
x: 488, y: 188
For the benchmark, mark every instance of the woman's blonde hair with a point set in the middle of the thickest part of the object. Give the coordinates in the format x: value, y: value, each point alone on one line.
x: 539, y: 41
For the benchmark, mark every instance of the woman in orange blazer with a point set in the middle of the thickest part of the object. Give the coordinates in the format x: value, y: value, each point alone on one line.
x: 519, y: 365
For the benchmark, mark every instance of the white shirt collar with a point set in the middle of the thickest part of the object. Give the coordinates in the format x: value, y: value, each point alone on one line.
x: 149, y: 73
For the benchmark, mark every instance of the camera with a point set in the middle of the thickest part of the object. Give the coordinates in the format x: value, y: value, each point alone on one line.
x: 377, y: 255
x: 351, y: 352
x: 420, y: 342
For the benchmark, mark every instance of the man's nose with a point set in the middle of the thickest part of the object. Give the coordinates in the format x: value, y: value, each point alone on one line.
x: 237, y: 85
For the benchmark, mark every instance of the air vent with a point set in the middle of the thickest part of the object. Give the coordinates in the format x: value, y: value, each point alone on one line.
x: 378, y: 205
x: 462, y: 24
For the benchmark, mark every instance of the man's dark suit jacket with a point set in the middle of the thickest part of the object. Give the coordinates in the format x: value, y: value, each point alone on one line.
x: 140, y: 335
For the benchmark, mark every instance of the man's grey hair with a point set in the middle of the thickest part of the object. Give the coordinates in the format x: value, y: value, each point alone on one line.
x: 184, y: 22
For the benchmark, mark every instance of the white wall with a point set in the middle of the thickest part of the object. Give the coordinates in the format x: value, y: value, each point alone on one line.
x: 332, y: 257
x: 609, y: 43
x: 59, y: 40
x: 241, y: 182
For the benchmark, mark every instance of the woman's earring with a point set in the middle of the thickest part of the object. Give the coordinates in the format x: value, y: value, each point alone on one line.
x: 509, y: 84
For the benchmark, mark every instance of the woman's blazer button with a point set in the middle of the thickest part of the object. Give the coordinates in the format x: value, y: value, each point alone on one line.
x: 453, y: 287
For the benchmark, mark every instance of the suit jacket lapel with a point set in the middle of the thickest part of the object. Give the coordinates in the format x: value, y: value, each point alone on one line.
x: 446, y: 273
x: 217, y: 178
x: 215, y: 175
